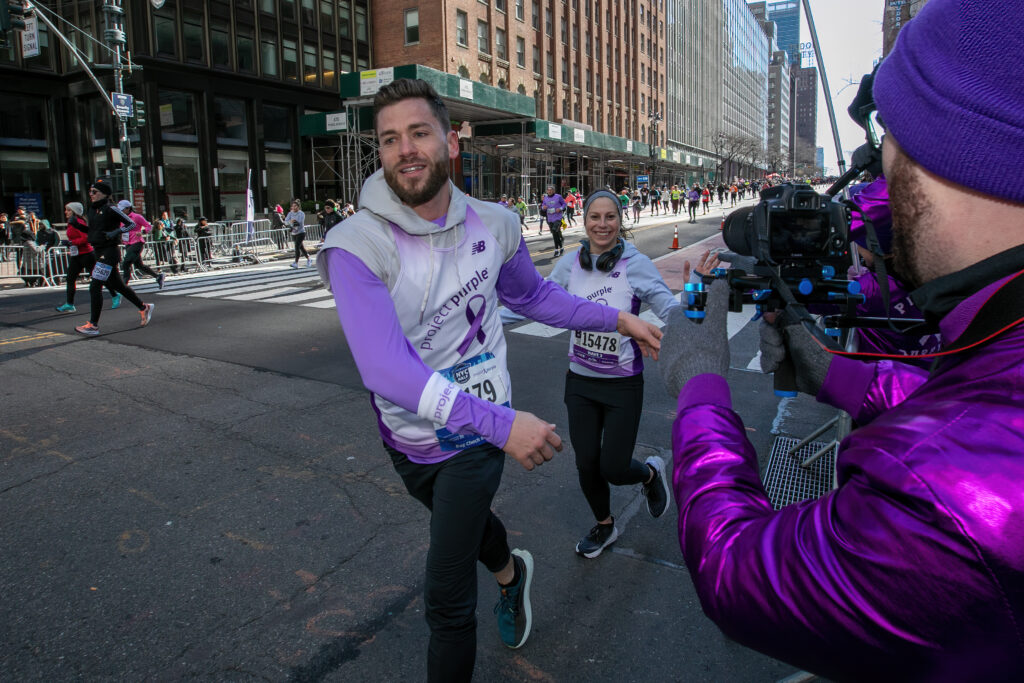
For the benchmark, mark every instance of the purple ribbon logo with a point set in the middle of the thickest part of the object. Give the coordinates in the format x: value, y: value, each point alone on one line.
x: 475, y: 320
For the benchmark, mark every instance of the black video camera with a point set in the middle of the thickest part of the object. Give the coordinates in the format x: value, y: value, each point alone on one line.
x: 792, y: 227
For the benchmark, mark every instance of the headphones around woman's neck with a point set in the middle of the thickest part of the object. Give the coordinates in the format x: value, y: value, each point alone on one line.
x: 606, y: 261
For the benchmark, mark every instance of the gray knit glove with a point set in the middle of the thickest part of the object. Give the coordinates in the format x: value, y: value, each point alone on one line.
x: 689, y: 349
x: 810, y: 361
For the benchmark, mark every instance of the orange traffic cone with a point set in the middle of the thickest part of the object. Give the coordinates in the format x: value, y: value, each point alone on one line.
x: 675, y: 238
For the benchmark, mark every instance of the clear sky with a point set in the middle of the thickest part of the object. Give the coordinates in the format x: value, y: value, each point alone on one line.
x: 850, y: 35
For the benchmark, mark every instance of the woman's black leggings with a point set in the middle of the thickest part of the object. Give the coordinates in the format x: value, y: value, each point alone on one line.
x: 299, y: 246
x: 604, y: 417
x: 114, y: 283
x: 77, y: 265
x: 693, y: 211
x: 133, y: 257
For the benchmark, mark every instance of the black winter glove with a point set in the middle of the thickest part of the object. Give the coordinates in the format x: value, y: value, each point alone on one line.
x: 689, y: 349
x: 810, y: 361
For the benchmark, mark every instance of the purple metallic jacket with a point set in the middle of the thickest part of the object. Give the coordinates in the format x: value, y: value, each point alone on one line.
x: 913, y: 568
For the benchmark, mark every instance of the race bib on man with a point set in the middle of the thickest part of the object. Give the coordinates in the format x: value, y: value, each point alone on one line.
x: 596, y: 347
x: 479, y: 376
x: 101, y: 271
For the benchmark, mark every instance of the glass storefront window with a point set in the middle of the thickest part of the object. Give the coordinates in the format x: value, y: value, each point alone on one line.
x: 232, y: 166
x: 181, y: 182
x: 277, y: 129
x: 177, y: 116
x: 344, y: 18
x: 279, y: 178
x: 361, y: 23
x: 26, y: 170
x: 230, y: 121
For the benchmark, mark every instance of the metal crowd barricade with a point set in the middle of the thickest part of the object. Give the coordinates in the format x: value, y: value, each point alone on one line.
x: 48, y: 267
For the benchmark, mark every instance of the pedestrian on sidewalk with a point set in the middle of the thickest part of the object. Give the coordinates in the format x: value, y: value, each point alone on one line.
x: 420, y: 334
x: 107, y: 225
x: 551, y: 207
x: 81, y: 258
x: 296, y: 222
x: 604, y: 387
x: 134, y: 244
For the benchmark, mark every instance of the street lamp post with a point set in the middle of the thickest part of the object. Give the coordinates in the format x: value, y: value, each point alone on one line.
x: 655, y: 118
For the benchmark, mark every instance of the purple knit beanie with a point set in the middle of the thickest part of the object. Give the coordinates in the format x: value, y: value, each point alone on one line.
x: 952, y: 93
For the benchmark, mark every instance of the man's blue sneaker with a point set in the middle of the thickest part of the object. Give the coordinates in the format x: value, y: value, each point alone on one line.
x: 115, y: 301
x: 513, y: 608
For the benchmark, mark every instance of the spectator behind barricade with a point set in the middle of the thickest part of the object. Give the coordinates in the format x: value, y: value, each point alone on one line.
x: 203, y: 237
x: 5, y: 235
x: 912, y: 569
x: 164, y: 243
x: 330, y: 216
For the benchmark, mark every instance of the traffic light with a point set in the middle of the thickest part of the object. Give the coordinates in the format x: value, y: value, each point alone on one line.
x: 140, y: 113
x: 12, y: 15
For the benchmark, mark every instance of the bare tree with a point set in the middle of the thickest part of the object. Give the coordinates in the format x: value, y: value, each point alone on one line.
x: 733, y: 150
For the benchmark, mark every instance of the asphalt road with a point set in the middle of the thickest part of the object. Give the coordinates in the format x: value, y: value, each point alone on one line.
x: 207, y: 498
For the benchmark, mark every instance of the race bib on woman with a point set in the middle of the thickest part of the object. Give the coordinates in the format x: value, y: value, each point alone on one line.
x: 101, y: 271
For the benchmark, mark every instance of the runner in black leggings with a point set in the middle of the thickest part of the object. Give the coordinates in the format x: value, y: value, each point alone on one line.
x: 106, y: 225
x: 81, y: 259
x: 604, y: 387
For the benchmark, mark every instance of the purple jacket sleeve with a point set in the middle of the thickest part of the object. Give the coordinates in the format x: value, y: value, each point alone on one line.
x: 387, y: 363
x: 524, y: 291
x: 866, y: 390
x: 833, y: 585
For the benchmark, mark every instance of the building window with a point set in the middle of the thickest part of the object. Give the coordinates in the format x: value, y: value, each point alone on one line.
x: 268, y: 56
x: 192, y: 32
x: 177, y: 116
x: 220, y: 53
x: 548, y: 22
x: 361, y: 23
x: 551, y: 64
x: 327, y: 16
x: 461, y: 28
x: 268, y: 6
x: 412, y: 26
x: 289, y: 60
x: 587, y: 44
x: 346, y: 63
x: 565, y: 31
x: 288, y: 9
x: 309, y: 12
x: 163, y: 33
x: 536, y: 60
x: 535, y: 16
x: 344, y: 18
x: 310, y: 67
x: 500, y: 5
x: 483, y: 37
x: 520, y: 10
x: 576, y: 37
x: 245, y: 51
x: 329, y: 73
x: 500, y: 44
x: 520, y: 53
x: 565, y: 71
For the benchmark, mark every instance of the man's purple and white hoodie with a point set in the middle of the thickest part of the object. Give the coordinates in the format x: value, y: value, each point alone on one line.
x: 418, y: 301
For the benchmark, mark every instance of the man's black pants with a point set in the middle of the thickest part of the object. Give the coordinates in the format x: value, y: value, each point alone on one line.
x: 458, y: 492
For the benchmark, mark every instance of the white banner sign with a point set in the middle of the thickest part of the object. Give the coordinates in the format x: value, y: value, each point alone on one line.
x: 577, y: 135
x: 555, y: 131
x: 30, y: 38
x: 336, y: 122
x: 466, y: 88
x: 629, y: 145
x: 372, y: 81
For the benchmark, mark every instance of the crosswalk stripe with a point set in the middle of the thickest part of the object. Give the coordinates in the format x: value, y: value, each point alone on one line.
x: 326, y: 303
x: 264, y: 293
x: 317, y: 293
x: 213, y: 289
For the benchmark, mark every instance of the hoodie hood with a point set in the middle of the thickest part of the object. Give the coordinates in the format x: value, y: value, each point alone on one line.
x: 378, y: 198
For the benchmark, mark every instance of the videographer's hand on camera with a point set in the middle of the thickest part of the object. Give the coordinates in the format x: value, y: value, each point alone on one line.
x: 708, y: 261
x: 810, y: 360
x: 689, y: 349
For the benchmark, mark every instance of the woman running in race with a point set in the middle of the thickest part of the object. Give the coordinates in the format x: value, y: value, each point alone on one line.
x: 134, y: 244
x: 604, y: 387
x: 80, y: 256
x: 694, y: 197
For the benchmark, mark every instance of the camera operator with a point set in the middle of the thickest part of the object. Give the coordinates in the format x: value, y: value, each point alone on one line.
x: 913, y: 568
